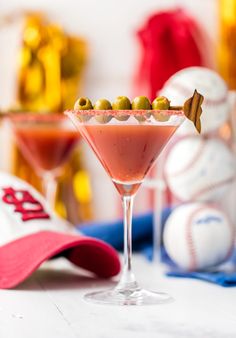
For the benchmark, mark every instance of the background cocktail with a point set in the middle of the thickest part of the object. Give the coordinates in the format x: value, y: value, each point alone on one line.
x: 46, y: 149
x: 46, y: 141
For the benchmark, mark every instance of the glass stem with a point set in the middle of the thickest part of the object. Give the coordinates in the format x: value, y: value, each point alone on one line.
x: 49, y: 188
x: 127, y: 281
x: 157, y: 214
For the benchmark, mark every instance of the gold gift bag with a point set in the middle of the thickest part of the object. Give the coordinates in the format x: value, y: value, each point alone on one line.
x: 227, y: 41
x: 50, y: 71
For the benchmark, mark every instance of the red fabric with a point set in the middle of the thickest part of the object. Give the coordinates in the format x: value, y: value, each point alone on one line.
x: 19, y: 258
x: 170, y: 41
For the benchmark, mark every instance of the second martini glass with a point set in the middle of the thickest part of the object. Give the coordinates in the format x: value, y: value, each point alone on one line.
x: 127, y: 143
x: 46, y: 141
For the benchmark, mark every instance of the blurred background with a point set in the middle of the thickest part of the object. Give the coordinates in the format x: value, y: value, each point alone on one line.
x: 53, y: 52
x: 109, y: 29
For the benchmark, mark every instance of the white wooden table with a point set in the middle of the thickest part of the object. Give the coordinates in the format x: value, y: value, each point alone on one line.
x: 50, y: 305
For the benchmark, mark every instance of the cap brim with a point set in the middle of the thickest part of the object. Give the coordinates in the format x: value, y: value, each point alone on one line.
x: 21, y: 257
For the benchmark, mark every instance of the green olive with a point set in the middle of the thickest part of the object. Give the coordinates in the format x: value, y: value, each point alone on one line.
x: 103, y: 118
x: 141, y: 103
x: 161, y: 103
x: 140, y: 118
x: 121, y: 103
x: 122, y: 117
x: 161, y: 116
x: 143, y: 117
x: 102, y: 104
x: 83, y: 103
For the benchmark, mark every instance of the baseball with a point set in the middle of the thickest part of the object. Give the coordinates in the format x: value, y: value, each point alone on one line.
x: 198, y: 236
x: 199, y: 170
x: 214, y: 89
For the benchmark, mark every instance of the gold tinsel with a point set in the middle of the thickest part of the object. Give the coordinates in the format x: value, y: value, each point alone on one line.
x: 50, y: 74
x: 227, y: 41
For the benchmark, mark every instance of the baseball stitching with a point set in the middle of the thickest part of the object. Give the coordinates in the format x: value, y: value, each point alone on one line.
x: 232, y: 230
x: 193, y: 160
x: 189, y: 239
x: 189, y: 166
x: 190, y: 242
x: 186, y: 92
x: 212, y: 187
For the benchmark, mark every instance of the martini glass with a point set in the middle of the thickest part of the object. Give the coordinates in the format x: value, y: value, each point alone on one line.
x: 46, y: 141
x: 127, y: 144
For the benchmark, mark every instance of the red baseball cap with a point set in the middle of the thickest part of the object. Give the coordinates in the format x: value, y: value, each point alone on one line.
x: 30, y: 233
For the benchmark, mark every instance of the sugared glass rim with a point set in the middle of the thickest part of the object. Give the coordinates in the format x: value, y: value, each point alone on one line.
x: 130, y: 112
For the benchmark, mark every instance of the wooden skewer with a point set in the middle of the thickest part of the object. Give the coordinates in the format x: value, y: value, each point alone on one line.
x: 192, y: 109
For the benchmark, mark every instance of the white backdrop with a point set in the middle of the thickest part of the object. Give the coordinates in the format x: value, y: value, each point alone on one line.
x: 109, y: 26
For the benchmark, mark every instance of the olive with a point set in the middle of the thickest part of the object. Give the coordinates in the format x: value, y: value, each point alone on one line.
x: 83, y: 103
x: 121, y: 103
x: 102, y: 104
x: 142, y: 118
x: 161, y: 116
x: 141, y: 103
x: 122, y: 116
x: 161, y: 103
x: 102, y: 118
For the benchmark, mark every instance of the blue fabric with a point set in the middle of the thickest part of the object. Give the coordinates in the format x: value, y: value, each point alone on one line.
x: 222, y: 278
x: 112, y: 233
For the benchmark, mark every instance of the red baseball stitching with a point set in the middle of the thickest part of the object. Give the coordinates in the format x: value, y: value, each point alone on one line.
x: 191, y: 163
x: 212, y: 187
x: 185, y: 91
x: 189, y: 238
x: 232, y: 230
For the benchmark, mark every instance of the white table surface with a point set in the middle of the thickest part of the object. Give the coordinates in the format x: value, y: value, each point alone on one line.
x: 50, y: 305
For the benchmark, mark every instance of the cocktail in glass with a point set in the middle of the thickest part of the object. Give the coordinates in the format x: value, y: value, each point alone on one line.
x: 127, y: 144
x: 46, y: 141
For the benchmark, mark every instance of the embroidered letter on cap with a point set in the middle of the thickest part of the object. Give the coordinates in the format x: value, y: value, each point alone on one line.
x: 21, y: 197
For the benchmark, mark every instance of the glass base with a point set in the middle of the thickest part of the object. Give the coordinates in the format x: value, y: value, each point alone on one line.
x: 128, y: 297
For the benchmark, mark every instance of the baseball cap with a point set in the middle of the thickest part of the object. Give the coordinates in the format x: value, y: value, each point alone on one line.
x: 31, y: 233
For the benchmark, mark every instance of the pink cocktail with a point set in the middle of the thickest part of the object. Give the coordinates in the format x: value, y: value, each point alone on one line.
x: 127, y: 151
x: 127, y: 143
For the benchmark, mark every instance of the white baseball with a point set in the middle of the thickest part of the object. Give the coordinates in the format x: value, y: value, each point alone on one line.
x: 199, y: 170
x: 198, y: 236
x: 216, y: 105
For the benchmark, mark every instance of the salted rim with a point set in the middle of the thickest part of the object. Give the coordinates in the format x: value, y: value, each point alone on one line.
x: 130, y: 112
